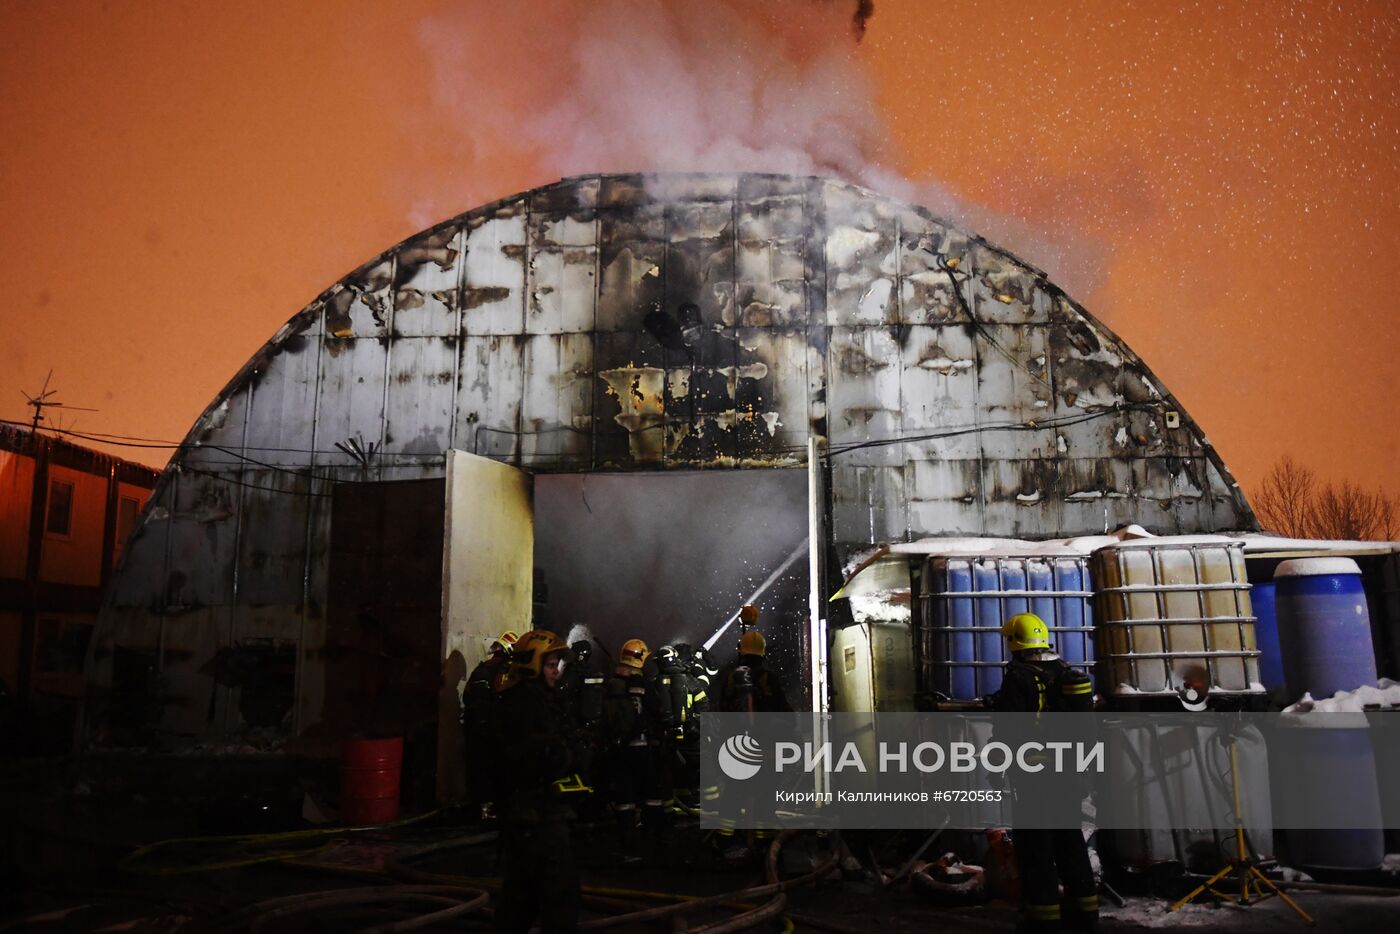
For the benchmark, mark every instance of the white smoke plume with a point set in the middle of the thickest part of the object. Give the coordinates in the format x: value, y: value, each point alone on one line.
x: 675, y: 86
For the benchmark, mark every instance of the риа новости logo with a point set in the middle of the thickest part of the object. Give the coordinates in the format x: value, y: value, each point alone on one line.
x: 740, y: 757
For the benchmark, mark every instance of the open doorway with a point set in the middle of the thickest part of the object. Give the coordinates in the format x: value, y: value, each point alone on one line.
x: 669, y: 557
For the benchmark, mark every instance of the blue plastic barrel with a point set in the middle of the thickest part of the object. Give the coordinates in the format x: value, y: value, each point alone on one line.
x: 964, y: 653
x: 1323, y: 626
x: 1261, y: 596
x: 1342, y: 761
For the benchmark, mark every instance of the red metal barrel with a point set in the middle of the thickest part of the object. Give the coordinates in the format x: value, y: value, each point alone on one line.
x: 369, y: 780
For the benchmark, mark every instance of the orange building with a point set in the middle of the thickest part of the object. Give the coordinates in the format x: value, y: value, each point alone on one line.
x: 65, y: 512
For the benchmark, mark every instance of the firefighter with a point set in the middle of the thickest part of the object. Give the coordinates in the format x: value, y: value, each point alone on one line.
x: 581, y: 688
x: 747, y: 684
x: 688, y: 698
x: 630, y: 734
x: 538, y: 766
x: 1036, y: 681
x: 479, y: 699
x: 704, y: 674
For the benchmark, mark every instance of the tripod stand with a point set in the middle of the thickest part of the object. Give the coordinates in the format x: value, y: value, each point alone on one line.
x: 1244, y: 867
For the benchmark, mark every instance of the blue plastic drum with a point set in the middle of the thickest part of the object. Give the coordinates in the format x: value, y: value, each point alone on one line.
x: 1323, y: 626
x: 1261, y: 596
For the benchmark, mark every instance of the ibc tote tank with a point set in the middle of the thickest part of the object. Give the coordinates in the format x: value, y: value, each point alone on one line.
x: 966, y: 599
x: 1324, y: 626
x: 1170, y: 611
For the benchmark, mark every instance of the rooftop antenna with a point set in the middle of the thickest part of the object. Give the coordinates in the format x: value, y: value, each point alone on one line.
x: 43, y: 400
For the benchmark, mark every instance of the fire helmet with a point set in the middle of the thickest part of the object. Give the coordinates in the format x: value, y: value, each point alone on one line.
x: 529, y: 652
x: 748, y: 615
x: 633, y: 655
x: 1026, y: 631
x: 505, y: 642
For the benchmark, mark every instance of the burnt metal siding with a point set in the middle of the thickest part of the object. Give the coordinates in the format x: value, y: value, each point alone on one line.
x: 549, y: 330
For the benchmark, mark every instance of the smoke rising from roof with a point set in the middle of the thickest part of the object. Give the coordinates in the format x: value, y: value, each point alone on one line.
x: 670, y: 86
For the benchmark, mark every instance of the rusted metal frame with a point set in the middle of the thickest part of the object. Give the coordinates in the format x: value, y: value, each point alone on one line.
x: 311, y: 508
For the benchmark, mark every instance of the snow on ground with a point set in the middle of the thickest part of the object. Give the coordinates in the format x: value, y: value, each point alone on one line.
x: 1384, y: 693
x: 1153, y: 913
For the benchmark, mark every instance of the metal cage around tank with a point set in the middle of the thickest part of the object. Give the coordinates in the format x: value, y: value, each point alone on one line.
x: 1171, y: 613
x: 965, y: 600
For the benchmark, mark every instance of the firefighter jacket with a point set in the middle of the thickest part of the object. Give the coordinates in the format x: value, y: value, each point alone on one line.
x: 535, y: 751
x: 628, y: 712
x: 760, y: 684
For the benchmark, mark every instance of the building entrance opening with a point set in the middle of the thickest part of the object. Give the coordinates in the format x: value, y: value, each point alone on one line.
x: 670, y: 557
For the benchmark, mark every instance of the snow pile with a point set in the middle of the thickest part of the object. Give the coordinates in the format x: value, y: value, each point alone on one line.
x: 1153, y: 913
x: 1384, y: 693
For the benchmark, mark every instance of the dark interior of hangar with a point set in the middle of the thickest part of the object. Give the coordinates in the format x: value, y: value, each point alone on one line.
x: 671, y: 557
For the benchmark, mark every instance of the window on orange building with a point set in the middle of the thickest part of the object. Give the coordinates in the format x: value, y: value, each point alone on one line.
x: 60, y: 515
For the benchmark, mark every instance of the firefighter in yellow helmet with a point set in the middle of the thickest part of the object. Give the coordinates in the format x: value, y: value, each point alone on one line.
x: 478, y: 712
x: 747, y: 685
x: 1037, y: 680
x: 632, y: 741
x: 538, y: 759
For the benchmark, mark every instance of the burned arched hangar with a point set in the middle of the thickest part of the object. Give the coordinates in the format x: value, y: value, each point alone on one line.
x: 616, y: 323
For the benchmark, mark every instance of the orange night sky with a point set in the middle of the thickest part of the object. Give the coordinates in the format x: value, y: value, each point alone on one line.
x: 1220, y: 183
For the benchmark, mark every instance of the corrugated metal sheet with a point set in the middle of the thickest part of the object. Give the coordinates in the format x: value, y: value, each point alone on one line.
x: 656, y: 322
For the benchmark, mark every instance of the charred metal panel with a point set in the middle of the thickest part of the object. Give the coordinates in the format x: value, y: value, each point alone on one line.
x: 362, y: 304
x: 773, y: 391
x: 272, y: 537
x: 421, y: 395
x: 770, y: 262
x: 863, y: 394
x: 282, y: 391
x: 1023, y: 495
x: 929, y: 288
x: 939, y: 389
x: 861, y: 258
x: 493, y: 287
x: 868, y: 503
x: 203, y: 528
x: 1014, y: 391
x: 217, y: 441
x: 945, y: 495
x: 563, y: 270
x: 193, y: 689
x: 489, y: 388
x: 632, y: 267
x: 351, y: 397
x: 426, y: 284
x: 700, y: 265
x: 556, y: 412
x: 1004, y: 290
x: 1097, y: 494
